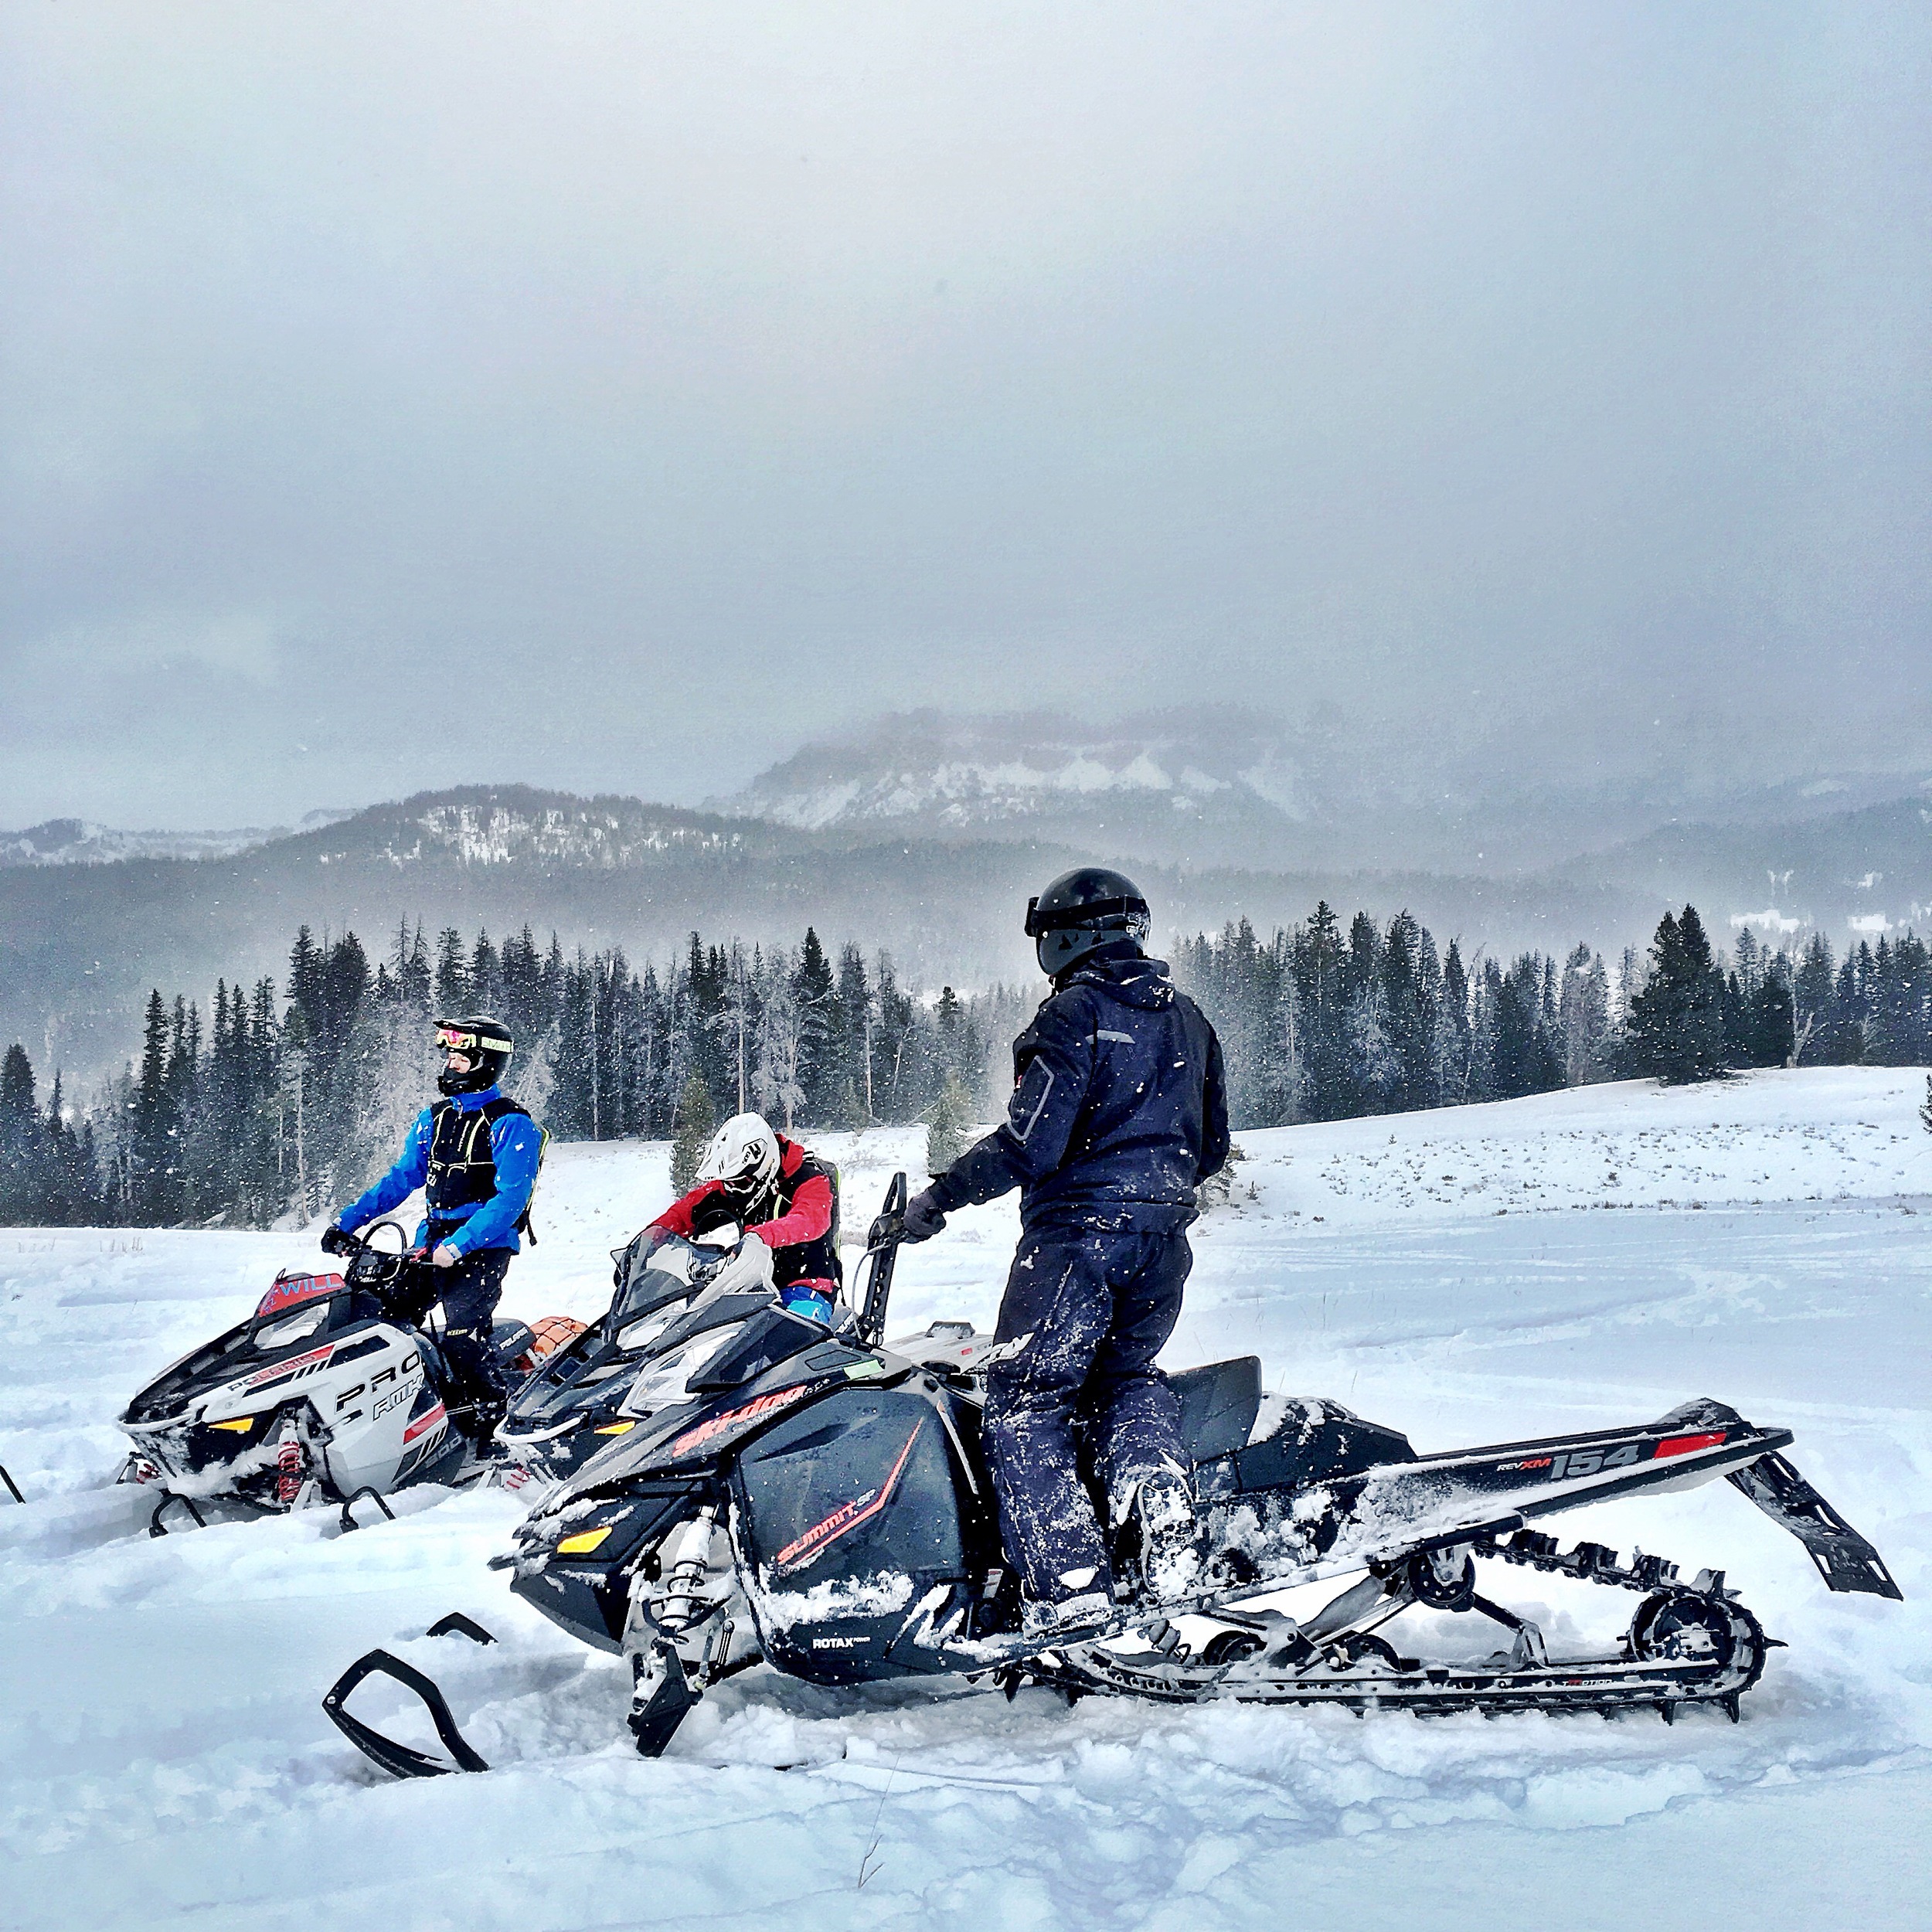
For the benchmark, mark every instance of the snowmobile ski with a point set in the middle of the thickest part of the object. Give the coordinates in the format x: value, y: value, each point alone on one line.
x: 404, y: 1760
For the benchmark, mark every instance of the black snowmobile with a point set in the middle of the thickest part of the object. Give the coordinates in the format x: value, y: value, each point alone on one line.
x: 821, y: 1503
x: 575, y: 1402
x: 333, y: 1390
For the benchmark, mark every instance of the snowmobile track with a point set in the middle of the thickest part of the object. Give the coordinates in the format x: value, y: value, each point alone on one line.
x: 1686, y: 1645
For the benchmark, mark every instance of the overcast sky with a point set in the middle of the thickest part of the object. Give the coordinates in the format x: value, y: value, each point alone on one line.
x: 613, y: 397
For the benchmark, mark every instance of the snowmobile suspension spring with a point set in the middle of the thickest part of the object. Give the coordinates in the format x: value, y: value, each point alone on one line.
x: 685, y: 1577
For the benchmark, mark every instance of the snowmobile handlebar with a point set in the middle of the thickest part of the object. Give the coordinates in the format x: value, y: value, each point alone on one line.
x: 400, y: 1279
x: 882, y: 1241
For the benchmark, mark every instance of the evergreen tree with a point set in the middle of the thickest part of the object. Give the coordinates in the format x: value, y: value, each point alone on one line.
x: 22, y: 1174
x: 1812, y: 1001
x: 1525, y: 1056
x: 736, y: 1022
x: 1455, y: 1046
x: 696, y: 1120
x: 154, y: 1180
x: 858, y: 1014
x: 779, y: 1045
x: 822, y: 1067
x: 950, y: 1133
x: 1677, y: 1021
x: 1584, y: 1018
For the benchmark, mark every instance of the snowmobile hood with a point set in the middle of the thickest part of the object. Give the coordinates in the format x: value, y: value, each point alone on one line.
x: 1134, y: 980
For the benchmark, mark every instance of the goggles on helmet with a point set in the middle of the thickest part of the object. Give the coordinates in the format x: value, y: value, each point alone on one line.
x: 1090, y: 914
x: 456, y: 1039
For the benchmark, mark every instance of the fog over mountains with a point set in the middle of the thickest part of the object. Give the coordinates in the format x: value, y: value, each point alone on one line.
x: 924, y: 833
x: 1226, y: 785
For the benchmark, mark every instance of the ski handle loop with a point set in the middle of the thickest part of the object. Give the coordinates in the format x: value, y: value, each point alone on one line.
x: 400, y: 1760
x: 881, y: 1250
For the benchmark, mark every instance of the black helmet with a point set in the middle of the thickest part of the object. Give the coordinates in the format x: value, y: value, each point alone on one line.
x: 1082, y: 911
x: 485, y: 1041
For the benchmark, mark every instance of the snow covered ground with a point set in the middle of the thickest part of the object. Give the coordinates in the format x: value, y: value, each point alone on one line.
x: 1547, y: 1264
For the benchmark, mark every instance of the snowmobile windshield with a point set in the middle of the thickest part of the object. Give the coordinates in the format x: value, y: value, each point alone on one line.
x: 664, y: 1273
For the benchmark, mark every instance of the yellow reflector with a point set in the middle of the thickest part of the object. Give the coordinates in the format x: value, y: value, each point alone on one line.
x: 614, y: 1428
x: 584, y: 1542
x: 246, y: 1422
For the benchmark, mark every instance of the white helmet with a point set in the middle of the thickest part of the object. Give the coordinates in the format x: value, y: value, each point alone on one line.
x: 744, y: 1150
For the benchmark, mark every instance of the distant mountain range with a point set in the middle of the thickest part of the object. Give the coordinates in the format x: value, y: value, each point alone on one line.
x: 1221, y: 786
x: 79, y: 841
x: 924, y: 835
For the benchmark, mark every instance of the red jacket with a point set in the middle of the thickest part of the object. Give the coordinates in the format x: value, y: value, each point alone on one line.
x: 799, y: 1219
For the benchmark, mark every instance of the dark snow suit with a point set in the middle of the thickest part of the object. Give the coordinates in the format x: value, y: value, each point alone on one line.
x: 1119, y: 1112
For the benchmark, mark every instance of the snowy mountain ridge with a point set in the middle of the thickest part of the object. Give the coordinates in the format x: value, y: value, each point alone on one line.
x: 599, y: 834
x: 967, y: 772
x: 79, y: 841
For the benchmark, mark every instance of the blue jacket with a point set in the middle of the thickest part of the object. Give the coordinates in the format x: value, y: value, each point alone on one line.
x: 515, y: 1145
x: 1119, y: 1109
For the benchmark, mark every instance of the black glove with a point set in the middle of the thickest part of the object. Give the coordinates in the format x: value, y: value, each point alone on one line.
x: 339, y: 1241
x: 924, y: 1217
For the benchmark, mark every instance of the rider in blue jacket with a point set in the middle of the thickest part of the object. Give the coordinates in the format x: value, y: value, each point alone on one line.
x: 474, y: 1153
x: 1119, y: 1112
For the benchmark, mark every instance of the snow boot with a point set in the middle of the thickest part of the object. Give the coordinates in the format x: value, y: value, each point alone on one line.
x: 1044, y: 1623
x: 1170, y: 1538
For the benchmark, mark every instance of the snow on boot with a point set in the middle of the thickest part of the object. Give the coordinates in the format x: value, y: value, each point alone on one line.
x: 1170, y: 1548
x: 1042, y: 1622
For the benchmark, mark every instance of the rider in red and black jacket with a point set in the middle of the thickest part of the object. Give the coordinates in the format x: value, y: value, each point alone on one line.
x: 778, y: 1191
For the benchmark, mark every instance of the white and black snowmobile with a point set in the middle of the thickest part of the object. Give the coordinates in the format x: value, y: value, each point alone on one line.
x: 333, y: 1390
x: 820, y: 1503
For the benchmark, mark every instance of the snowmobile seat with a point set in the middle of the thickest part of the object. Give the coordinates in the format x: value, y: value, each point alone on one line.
x: 1315, y: 1440
x: 1219, y: 1403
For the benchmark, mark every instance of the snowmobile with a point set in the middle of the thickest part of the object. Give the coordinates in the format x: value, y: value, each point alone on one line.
x: 333, y: 1391
x: 572, y: 1405
x: 821, y: 1502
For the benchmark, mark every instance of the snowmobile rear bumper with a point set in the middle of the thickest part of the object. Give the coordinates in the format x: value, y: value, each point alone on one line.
x: 1845, y: 1559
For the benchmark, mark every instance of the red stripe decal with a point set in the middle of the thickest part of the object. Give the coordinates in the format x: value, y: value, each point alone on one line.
x: 1686, y: 1445
x: 847, y: 1516
x: 416, y: 1427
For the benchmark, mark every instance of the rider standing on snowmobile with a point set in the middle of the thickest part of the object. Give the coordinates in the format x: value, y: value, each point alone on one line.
x: 475, y: 1153
x: 1119, y: 1112
x: 783, y: 1197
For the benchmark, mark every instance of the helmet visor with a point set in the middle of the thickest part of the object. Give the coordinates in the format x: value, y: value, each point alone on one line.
x: 1128, y: 915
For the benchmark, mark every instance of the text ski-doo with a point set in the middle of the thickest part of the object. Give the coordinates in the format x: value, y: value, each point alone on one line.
x: 821, y: 1503
x: 333, y: 1390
